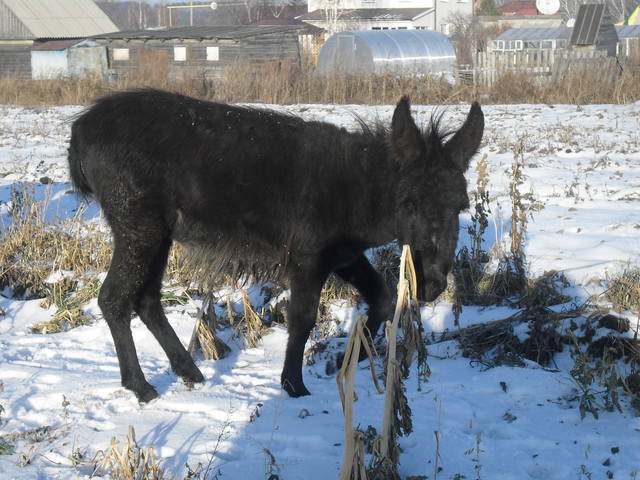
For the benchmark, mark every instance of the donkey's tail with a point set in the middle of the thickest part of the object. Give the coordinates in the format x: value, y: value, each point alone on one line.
x: 75, y: 157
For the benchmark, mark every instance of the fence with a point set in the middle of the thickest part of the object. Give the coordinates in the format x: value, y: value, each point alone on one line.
x: 549, y: 65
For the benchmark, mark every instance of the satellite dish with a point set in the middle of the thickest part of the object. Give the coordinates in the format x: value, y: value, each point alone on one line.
x: 213, y: 5
x: 571, y: 22
x: 548, y: 7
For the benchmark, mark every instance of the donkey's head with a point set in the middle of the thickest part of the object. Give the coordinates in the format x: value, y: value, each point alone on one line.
x: 432, y: 191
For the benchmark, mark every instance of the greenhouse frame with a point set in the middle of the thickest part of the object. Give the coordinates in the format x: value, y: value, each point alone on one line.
x: 400, y: 52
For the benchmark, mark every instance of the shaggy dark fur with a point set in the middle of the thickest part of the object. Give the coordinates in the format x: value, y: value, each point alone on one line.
x: 264, y: 193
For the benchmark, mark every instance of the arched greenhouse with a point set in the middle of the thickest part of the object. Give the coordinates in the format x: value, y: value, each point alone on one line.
x: 387, y: 51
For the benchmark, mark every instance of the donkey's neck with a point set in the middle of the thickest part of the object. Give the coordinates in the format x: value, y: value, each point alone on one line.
x: 374, y: 195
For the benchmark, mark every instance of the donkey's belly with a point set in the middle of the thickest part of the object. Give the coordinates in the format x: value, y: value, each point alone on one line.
x: 214, y: 251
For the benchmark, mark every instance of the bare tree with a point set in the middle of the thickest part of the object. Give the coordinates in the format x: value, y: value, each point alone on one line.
x: 469, y: 37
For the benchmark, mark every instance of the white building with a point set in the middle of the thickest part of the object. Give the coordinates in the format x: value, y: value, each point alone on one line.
x: 340, y: 15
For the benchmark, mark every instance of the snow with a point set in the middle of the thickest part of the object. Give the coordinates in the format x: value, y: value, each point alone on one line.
x: 581, y: 165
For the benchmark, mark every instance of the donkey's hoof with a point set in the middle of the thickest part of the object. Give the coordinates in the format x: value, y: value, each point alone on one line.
x: 193, y: 377
x: 145, y: 394
x: 294, y: 389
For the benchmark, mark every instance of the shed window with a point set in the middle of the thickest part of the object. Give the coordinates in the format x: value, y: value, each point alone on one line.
x: 120, y: 54
x: 180, y: 54
x: 213, y: 54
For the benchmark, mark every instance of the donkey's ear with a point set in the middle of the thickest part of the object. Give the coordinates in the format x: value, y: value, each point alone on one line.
x: 407, y: 145
x: 465, y: 143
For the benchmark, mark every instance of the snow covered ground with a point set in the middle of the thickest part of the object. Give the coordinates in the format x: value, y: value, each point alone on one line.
x: 582, y: 169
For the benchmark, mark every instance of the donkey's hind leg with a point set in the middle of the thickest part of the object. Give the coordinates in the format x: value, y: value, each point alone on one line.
x: 127, y: 275
x: 150, y: 310
x: 306, y: 286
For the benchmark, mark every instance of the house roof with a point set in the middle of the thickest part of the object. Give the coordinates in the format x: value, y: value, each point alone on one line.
x: 55, y: 45
x: 306, y: 27
x: 60, y: 18
x: 520, y: 7
x: 535, y: 33
x: 624, y: 31
x: 230, y: 32
x: 378, y: 14
x: 628, y: 31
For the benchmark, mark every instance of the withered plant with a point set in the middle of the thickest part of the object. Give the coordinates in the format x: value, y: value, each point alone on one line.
x: 126, y: 460
x: 33, y: 248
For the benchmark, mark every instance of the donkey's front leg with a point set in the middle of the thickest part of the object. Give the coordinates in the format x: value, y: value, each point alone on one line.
x: 301, y: 318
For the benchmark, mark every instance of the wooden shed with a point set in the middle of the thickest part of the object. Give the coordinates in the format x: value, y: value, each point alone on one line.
x: 68, y: 58
x: 197, y: 52
x: 25, y: 24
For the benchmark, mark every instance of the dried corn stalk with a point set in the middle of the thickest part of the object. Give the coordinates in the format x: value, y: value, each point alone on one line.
x: 397, y: 414
x: 131, y: 462
x: 353, y: 458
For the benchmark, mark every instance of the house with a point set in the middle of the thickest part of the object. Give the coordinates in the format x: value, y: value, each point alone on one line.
x: 340, y: 15
x: 201, y: 52
x: 629, y: 40
x: 26, y: 24
x: 505, y: 22
x: 516, y: 39
x: 593, y: 30
x: 519, y: 39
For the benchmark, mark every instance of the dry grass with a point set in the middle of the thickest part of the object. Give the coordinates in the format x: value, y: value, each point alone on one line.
x: 283, y: 83
x: 57, y: 261
x: 69, y: 300
x: 32, y: 249
x: 624, y: 289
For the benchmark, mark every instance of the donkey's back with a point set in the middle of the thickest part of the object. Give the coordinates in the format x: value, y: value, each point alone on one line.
x: 152, y: 136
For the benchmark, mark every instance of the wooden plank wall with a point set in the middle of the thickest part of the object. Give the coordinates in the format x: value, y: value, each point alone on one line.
x: 550, y: 65
x: 15, y: 61
x: 257, y: 50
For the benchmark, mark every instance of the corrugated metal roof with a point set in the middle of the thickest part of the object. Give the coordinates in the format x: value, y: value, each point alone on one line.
x: 55, y: 45
x: 624, y: 31
x: 230, y: 32
x: 535, y: 34
x: 61, y: 18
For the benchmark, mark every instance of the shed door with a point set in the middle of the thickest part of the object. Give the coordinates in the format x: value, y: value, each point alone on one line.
x: 152, y: 64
